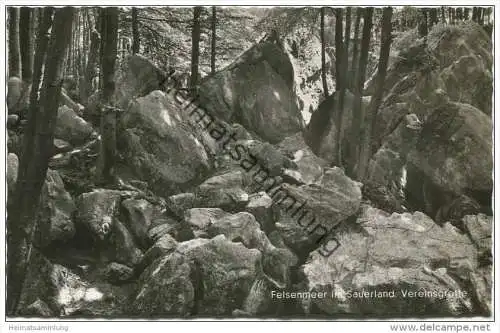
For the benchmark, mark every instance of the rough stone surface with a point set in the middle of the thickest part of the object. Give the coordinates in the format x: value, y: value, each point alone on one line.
x: 55, y: 221
x: 398, y: 253
x: 155, y: 141
x: 72, y: 128
x: 260, y: 80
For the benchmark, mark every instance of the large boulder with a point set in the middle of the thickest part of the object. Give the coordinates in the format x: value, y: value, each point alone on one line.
x: 159, y: 145
x: 138, y: 216
x: 226, y: 191
x: 308, y: 215
x: 308, y: 164
x: 256, y: 91
x: 400, y: 265
x: 452, y: 157
x: 71, y: 127
x: 203, y: 277
x: 55, y: 221
x: 96, y: 211
x: 321, y: 132
x: 137, y: 78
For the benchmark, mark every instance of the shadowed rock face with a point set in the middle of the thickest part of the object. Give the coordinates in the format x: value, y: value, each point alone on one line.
x: 256, y: 91
x: 452, y: 156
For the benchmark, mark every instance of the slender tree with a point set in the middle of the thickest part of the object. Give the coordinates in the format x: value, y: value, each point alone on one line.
x: 371, y: 116
x: 195, y: 49
x: 358, y: 114
x: 26, y: 34
x: 323, y: 52
x: 14, y: 48
x: 443, y: 17
x: 341, y: 64
x: 433, y: 16
x: 108, y: 54
x: 37, y: 148
x: 92, y: 61
x: 214, y: 36
x: 422, y: 23
x: 466, y: 13
x: 355, y: 47
x: 135, y: 31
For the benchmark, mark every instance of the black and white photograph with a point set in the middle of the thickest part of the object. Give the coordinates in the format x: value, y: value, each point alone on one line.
x: 249, y: 163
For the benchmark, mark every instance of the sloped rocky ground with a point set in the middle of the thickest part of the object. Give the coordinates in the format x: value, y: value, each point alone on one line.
x: 215, y: 211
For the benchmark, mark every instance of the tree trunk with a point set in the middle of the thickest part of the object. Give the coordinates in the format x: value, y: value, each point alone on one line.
x: 459, y: 14
x: 109, y: 52
x: 323, y: 52
x: 135, y: 31
x: 37, y: 149
x: 342, y: 51
x: 480, y: 15
x: 453, y: 15
x: 195, y: 49
x: 474, y: 14
x: 466, y: 13
x: 214, y: 37
x: 91, y: 70
x: 355, y: 48
x: 433, y: 16
x: 371, y: 116
x: 358, y: 114
x: 26, y: 34
x: 14, y: 48
x: 422, y: 23
x: 443, y: 18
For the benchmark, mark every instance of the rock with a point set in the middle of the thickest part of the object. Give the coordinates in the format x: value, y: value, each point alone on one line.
x: 17, y: 95
x: 159, y: 145
x: 452, y: 156
x: 124, y: 249
x: 164, y: 245
x: 180, y: 230
x: 12, y: 171
x: 58, y: 287
x: 65, y: 100
x: 308, y: 214
x: 55, y: 221
x: 138, y: 77
x: 468, y: 80
x: 260, y: 80
x: 482, y: 284
x: 61, y: 146
x: 96, y: 211
x: 241, y: 227
x: 479, y: 228
x: 12, y: 121
x: 260, y: 206
x: 309, y: 165
x: 14, y: 143
x: 180, y: 203
x: 165, y: 289
x: 72, y: 128
x: 202, y: 277
x: 138, y: 215
x: 227, y: 271
x: 37, y: 309
x: 224, y: 191
x: 321, y: 134
x: 118, y: 273
x: 200, y: 219
x: 396, y: 254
